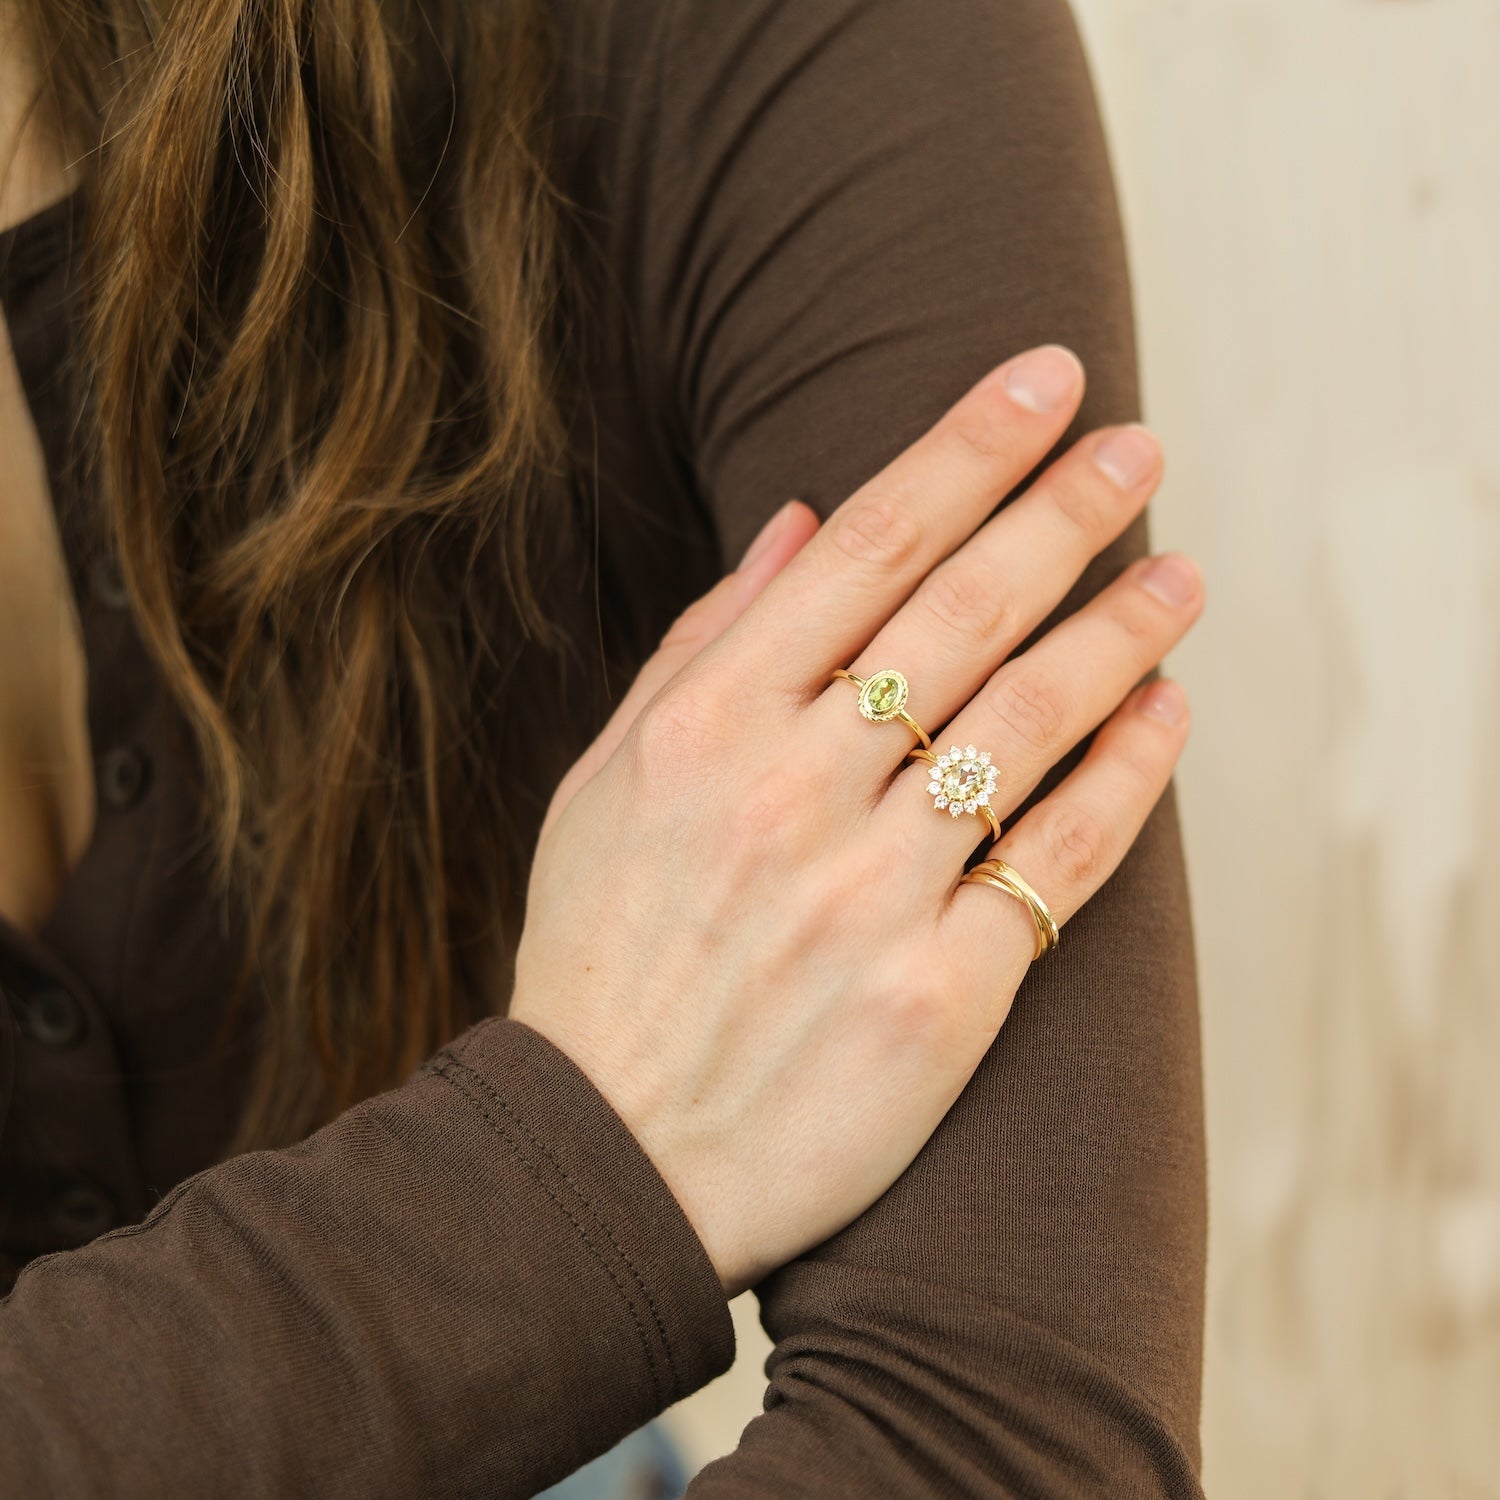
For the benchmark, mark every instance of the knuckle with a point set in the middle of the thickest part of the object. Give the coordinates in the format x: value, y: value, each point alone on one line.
x: 688, y: 630
x: 1144, y: 758
x: 1140, y: 623
x: 877, y: 527
x: 1079, y: 842
x: 968, y: 602
x: 675, y: 734
x: 1032, y: 707
x: 982, y: 432
x: 1081, y: 503
x: 912, y: 1004
x: 1141, y: 767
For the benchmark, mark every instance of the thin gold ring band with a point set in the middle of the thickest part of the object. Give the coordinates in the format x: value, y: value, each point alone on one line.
x: 984, y: 809
x: 1005, y: 878
x: 882, y: 696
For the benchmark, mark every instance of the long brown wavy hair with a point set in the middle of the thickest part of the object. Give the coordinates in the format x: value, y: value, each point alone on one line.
x: 325, y: 354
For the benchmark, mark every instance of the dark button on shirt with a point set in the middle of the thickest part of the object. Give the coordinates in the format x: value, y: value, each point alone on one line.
x: 81, y: 1211
x: 51, y: 1017
x: 108, y: 583
x: 124, y: 772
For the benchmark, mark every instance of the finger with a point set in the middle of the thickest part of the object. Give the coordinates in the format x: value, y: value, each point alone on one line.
x: 878, y: 545
x: 1070, y: 843
x: 1038, y: 705
x: 976, y: 607
x: 782, y: 537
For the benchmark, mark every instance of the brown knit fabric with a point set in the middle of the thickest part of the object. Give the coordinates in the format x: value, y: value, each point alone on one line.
x: 813, y: 223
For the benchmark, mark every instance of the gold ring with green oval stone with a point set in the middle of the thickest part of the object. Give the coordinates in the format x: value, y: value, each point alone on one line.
x: 882, y: 696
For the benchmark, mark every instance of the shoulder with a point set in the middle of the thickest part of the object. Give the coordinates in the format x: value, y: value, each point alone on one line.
x: 825, y: 218
x: 687, y: 63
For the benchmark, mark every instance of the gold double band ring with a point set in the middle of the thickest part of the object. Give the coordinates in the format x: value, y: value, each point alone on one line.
x: 1003, y: 877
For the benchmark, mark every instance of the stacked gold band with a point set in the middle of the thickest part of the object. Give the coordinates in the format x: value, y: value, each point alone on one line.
x: 882, y: 696
x: 1003, y: 877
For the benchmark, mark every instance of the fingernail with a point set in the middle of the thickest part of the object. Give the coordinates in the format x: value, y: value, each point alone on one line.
x: 1172, y: 578
x: 1127, y: 456
x: 762, y: 539
x: 1042, y: 379
x: 1163, y: 700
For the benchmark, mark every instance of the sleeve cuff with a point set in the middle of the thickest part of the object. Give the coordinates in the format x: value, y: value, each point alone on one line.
x: 612, y: 1208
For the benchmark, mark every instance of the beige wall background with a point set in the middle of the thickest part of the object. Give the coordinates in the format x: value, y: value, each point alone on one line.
x: 1311, y: 191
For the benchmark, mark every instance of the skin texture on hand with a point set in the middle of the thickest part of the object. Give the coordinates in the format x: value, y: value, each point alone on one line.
x: 744, y: 919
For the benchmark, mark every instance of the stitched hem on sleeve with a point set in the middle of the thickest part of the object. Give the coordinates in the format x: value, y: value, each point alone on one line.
x: 582, y: 1154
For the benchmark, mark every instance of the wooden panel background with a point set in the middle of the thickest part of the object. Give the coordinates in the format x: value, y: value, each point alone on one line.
x: 1312, y: 198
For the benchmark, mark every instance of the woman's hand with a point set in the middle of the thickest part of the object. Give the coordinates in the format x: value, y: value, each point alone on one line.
x: 745, y: 923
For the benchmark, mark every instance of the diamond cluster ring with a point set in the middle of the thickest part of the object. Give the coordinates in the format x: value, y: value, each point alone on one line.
x: 963, y: 781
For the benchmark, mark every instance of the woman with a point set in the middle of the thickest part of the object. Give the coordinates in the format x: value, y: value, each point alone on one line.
x: 401, y: 371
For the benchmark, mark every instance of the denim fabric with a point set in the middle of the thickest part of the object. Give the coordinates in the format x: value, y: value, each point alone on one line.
x: 643, y: 1466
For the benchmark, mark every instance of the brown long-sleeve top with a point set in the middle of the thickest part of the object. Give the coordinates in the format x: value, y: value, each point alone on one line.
x: 815, y: 223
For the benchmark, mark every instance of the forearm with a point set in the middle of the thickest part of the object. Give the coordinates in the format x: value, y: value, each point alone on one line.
x: 467, y: 1285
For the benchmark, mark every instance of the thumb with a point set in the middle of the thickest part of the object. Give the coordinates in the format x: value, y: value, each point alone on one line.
x: 704, y: 620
